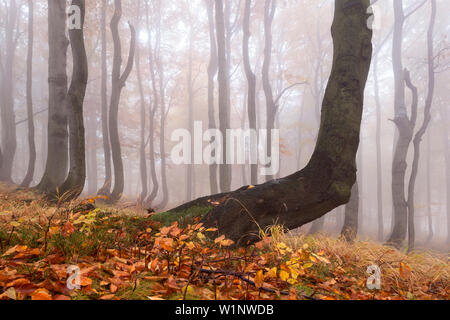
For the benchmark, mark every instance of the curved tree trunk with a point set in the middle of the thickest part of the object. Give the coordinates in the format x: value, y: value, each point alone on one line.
x: 251, y: 80
x: 326, y: 182
x: 350, y: 228
x: 57, y: 152
x: 419, y: 135
x: 76, y: 178
x: 106, y: 188
x: 117, y: 84
x: 31, y: 143
x: 271, y: 108
x: 404, y: 133
x: 212, y: 71
x: 154, y: 107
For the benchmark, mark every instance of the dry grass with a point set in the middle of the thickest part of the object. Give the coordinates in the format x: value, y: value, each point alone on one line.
x: 416, y: 273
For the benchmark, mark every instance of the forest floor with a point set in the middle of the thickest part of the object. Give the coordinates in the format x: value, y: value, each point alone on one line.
x: 120, y: 254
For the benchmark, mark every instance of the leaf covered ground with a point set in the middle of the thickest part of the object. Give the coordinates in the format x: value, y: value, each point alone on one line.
x: 125, y: 255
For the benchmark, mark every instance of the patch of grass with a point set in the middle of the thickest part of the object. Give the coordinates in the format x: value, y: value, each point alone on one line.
x: 183, y: 218
x: 140, y: 292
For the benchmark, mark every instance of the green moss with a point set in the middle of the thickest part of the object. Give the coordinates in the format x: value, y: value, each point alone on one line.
x: 184, y: 217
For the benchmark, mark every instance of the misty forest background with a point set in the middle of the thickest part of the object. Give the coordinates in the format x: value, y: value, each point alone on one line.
x: 173, y: 82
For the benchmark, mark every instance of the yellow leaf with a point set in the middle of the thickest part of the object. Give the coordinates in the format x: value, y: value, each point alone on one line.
x: 405, y: 270
x: 272, y: 273
x: 259, y: 279
x: 284, y: 275
x: 227, y: 242
x: 201, y: 236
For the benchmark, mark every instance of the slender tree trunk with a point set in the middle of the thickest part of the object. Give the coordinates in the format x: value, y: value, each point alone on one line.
x: 378, y: 147
x: 350, y: 228
x: 142, y: 154
x: 251, y: 82
x: 31, y: 143
x: 429, y: 211
x: 162, y: 141
x: 445, y: 119
x: 57, y: 137
x: 419, y: 135
x: 212, y: 71
x: 224, y: 88
x: 326, y: 182
x: 76, y: 178
x: 117, y: 84
x: 190, y: 167
x: 8, y: 118
x: 153, y: 109
x: 106, y: 188
x: 271, y: 108
x: 91, y: 153
x: 404, y: 133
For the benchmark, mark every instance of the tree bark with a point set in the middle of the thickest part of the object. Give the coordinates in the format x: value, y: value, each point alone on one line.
x: 8, y: 118
x: 445, y: 119
x: 378, y: 148
x: 326, y: 182
x: 224, y: 89
x: 91, y: 153
x: 404, y: 133
x: 162, y: 142
x: 251, y: 81
x: 212, y: 71
x: 153, y: 109
x: 29, y: 96
x: 419, y: 135
x: 57, y: 137
x: 271, y: 107
x: 117, y: 84
x: 350, y: 228
x: 190, y: 89
x: 142, y: 153
x: 74, y: 184
x: 429, y: 211
x: 106, y: 188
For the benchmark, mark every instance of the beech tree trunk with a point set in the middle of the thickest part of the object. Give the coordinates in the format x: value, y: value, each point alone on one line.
x: 212, y: 71
x: 445, y: 119
x: 8, y: 118
x: 419, y: 135
x: 106, y: 188
x: 404, y: 133
x: 152, y: 111
x: 251, y: 81
x: 57, y: 138
x: 350, y: 228
x: 326, y: 182
x: 224, y: 89
x: 162, y: 142
x: 76, y: 178
x: 142, y: 153
x: 378, y: 147
x: 117, y: 84
x: 29, y: 96
x: 271, y: 108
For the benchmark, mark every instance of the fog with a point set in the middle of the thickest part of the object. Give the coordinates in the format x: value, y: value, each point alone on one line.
x: 169, y: 85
